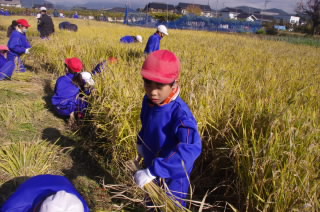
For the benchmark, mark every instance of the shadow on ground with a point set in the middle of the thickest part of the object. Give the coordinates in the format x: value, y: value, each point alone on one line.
x: 86, y: 172
x: 9, y: 187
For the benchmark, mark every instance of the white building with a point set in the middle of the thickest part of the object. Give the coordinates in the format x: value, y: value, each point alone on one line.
x: 294, y: 20
x: 10, y: 3
x: 230, y: 13
x: 31, y: 3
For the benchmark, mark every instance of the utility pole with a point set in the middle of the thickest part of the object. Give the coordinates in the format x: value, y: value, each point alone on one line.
x: 266, y: 3
x: 167, y: 13
x: 217, y: 8
x: 265, y: 7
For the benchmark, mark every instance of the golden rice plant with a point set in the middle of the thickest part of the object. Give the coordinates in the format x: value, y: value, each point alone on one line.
x: 28, y: 159
x: 160, y: 197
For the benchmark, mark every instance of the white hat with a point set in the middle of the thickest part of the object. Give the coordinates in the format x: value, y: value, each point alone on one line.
x: 139, y: 38
x: 43, y: 9
x: 38, y: 16
x: 87, y: 77
x: 62, y: 202
x: 163, y: 29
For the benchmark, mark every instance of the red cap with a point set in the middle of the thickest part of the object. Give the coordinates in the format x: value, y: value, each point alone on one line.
x: 161, y: 66
x: 4, y: 48
x: 23, y: 22
x: 112, y: 60
x: 74, y: 64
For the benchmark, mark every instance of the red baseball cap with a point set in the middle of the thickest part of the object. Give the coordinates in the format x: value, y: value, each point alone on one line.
x: 75, y: 64
x: 161, y: 66
x: 23, y: 22
x: 4, y: 48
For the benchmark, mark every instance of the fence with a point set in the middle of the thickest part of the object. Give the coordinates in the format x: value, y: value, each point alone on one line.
x: 193, y: 22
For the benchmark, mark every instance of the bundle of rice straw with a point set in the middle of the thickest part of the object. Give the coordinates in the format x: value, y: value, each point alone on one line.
x: 162, y: 199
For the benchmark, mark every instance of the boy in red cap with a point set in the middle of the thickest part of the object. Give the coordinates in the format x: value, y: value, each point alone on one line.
x: 67, y: 100
x: 18, y: 44
x: 169, y: 140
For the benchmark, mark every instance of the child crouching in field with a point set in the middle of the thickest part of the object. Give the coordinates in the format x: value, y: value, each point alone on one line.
x: 6, y: 67
x: 169, y: 140
x: 67, y: 99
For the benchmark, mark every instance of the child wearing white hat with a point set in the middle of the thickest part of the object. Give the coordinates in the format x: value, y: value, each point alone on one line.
x: 46, y: 193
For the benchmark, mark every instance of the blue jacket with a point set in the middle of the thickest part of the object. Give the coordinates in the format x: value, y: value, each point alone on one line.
x: 153, y: 43
x: 65, y: 94
x: 3, y: 61
x: 169, y: 135
x: 128, y: 39
x: 31, y: 193
x: 17, y: 44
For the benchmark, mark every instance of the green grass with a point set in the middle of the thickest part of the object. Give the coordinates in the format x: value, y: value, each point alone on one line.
x: 309, y: 41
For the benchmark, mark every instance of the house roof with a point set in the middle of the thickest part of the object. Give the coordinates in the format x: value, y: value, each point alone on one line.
x: 243, y: 15
x: 159, y: 6
x: 12, y: 2
x: 264, y: 17
x: 201, y: 6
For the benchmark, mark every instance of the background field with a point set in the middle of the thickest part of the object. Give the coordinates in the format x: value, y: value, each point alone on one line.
x: 256, y: 102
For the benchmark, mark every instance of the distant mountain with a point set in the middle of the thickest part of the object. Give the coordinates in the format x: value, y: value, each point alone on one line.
x: 279, y: 11
x: 248, y: 10
x: 107, y: 5
x: 120, y: 10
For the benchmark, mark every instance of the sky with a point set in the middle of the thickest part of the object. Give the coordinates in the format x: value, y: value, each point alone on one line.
x: 286, y: 5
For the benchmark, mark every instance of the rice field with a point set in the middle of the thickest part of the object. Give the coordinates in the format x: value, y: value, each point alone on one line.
x: 256, y: 102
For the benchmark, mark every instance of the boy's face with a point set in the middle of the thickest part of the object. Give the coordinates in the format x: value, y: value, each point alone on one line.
x: 158, y: 92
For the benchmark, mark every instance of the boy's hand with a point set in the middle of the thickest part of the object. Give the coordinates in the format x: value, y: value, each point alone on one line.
x: 143, y: 177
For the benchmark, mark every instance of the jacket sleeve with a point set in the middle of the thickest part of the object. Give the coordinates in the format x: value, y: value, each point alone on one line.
x: 15, y: 46
x: 151, y: 45
x: 28, y: 45
x: 179, y: 162
x: 139, y: 141
x: 40, y: 23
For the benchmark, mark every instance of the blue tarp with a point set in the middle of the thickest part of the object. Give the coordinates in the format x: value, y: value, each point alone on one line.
x: 279, y: 27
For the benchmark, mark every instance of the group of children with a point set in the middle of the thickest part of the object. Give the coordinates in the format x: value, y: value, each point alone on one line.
x: 169, y: 140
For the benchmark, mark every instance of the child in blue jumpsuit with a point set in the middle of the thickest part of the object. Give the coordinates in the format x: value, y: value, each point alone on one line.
x: 153, y: 43
x: 131, y: 39
x: 39, y: 192
x: 66, y: 99
x: 169, y: 140
x: 6, y: 67
x: 18, y: 44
